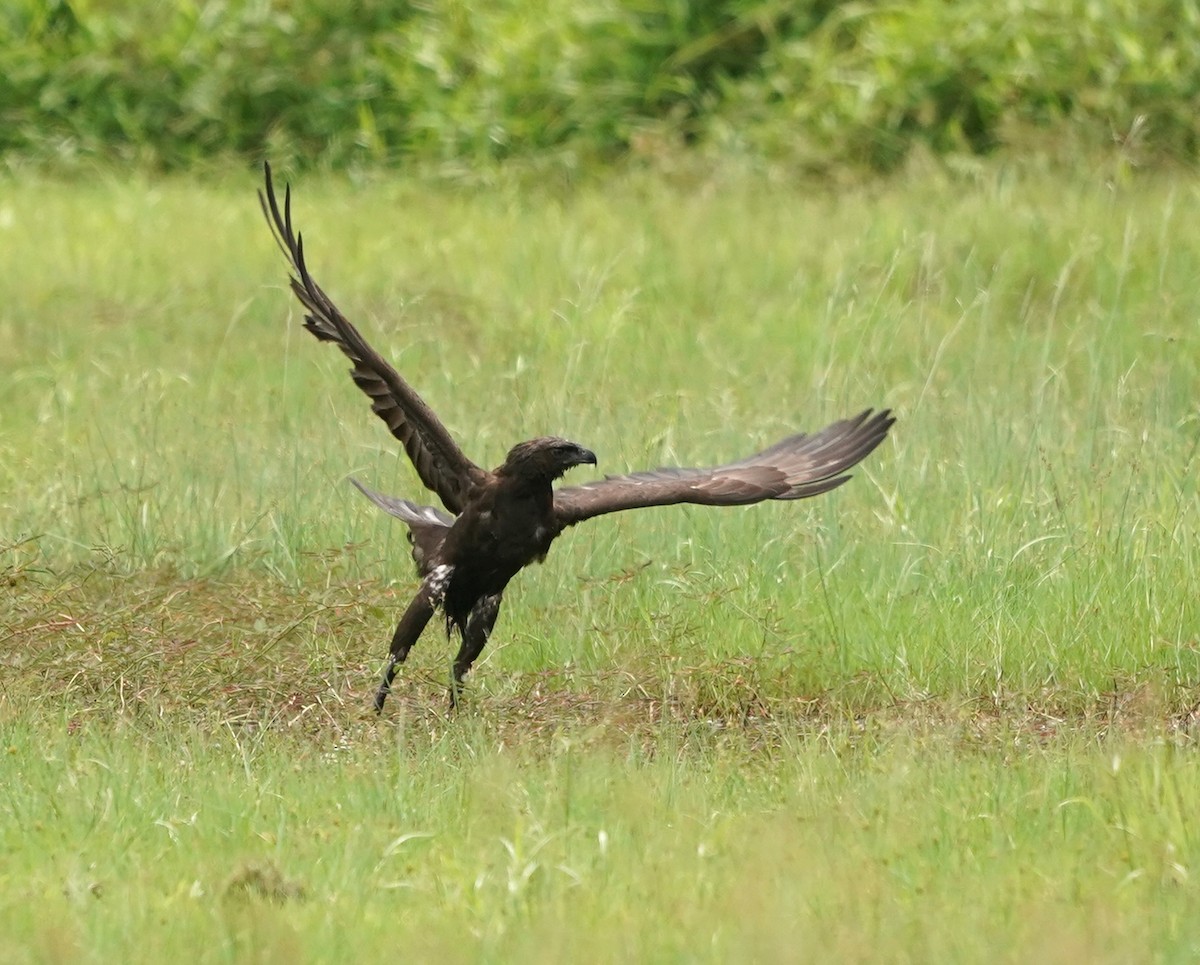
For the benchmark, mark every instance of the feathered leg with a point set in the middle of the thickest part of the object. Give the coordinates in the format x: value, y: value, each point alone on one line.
x: 412, y: 623
x: 475, y: 637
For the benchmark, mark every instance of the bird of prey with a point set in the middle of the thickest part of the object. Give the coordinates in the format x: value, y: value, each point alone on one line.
x: 499, y: 522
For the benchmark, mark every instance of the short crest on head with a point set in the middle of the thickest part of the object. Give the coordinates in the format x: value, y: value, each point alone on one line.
x: 547, y: 457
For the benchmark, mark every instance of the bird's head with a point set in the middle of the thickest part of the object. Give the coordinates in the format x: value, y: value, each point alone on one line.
x: 545, y: 459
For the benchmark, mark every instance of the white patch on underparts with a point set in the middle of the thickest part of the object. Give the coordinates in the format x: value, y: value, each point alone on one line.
x: 439, y: 580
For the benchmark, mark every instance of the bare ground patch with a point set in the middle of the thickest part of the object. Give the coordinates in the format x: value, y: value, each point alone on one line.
x: 253, y: 653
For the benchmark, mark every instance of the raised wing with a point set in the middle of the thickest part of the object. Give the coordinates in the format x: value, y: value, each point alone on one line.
x: 799, y: 466
x: 442, y: 466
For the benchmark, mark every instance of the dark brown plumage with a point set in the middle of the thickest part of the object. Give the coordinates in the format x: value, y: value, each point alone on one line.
x: 503, y: 520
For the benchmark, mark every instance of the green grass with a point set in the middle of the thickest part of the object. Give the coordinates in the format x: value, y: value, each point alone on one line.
x: 142, y: 842
x: 945, y: 713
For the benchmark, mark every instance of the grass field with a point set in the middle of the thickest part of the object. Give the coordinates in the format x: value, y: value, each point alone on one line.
x: 947, y: 713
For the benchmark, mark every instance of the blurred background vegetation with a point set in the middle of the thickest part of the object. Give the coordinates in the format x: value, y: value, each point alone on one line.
x: 816, y: 84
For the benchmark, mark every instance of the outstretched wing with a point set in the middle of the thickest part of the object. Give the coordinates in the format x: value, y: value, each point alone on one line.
x: 799, y: 466
x: 427, y: 526
x: 412, y: 513
x: 442, y: 466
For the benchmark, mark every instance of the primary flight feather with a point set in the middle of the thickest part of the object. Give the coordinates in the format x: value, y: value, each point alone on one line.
x: 501, y: 521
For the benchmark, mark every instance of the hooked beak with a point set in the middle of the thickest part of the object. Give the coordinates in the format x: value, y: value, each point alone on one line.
x: 585, y: 457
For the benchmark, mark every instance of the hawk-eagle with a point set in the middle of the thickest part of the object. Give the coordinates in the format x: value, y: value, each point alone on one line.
x: 500, y: 521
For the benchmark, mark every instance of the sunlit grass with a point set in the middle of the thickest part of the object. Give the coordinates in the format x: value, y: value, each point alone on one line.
x: 936, y: 713
x: 857, y: 844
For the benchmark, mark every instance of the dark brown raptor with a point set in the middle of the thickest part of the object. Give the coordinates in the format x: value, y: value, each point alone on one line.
x: 501, y: 521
